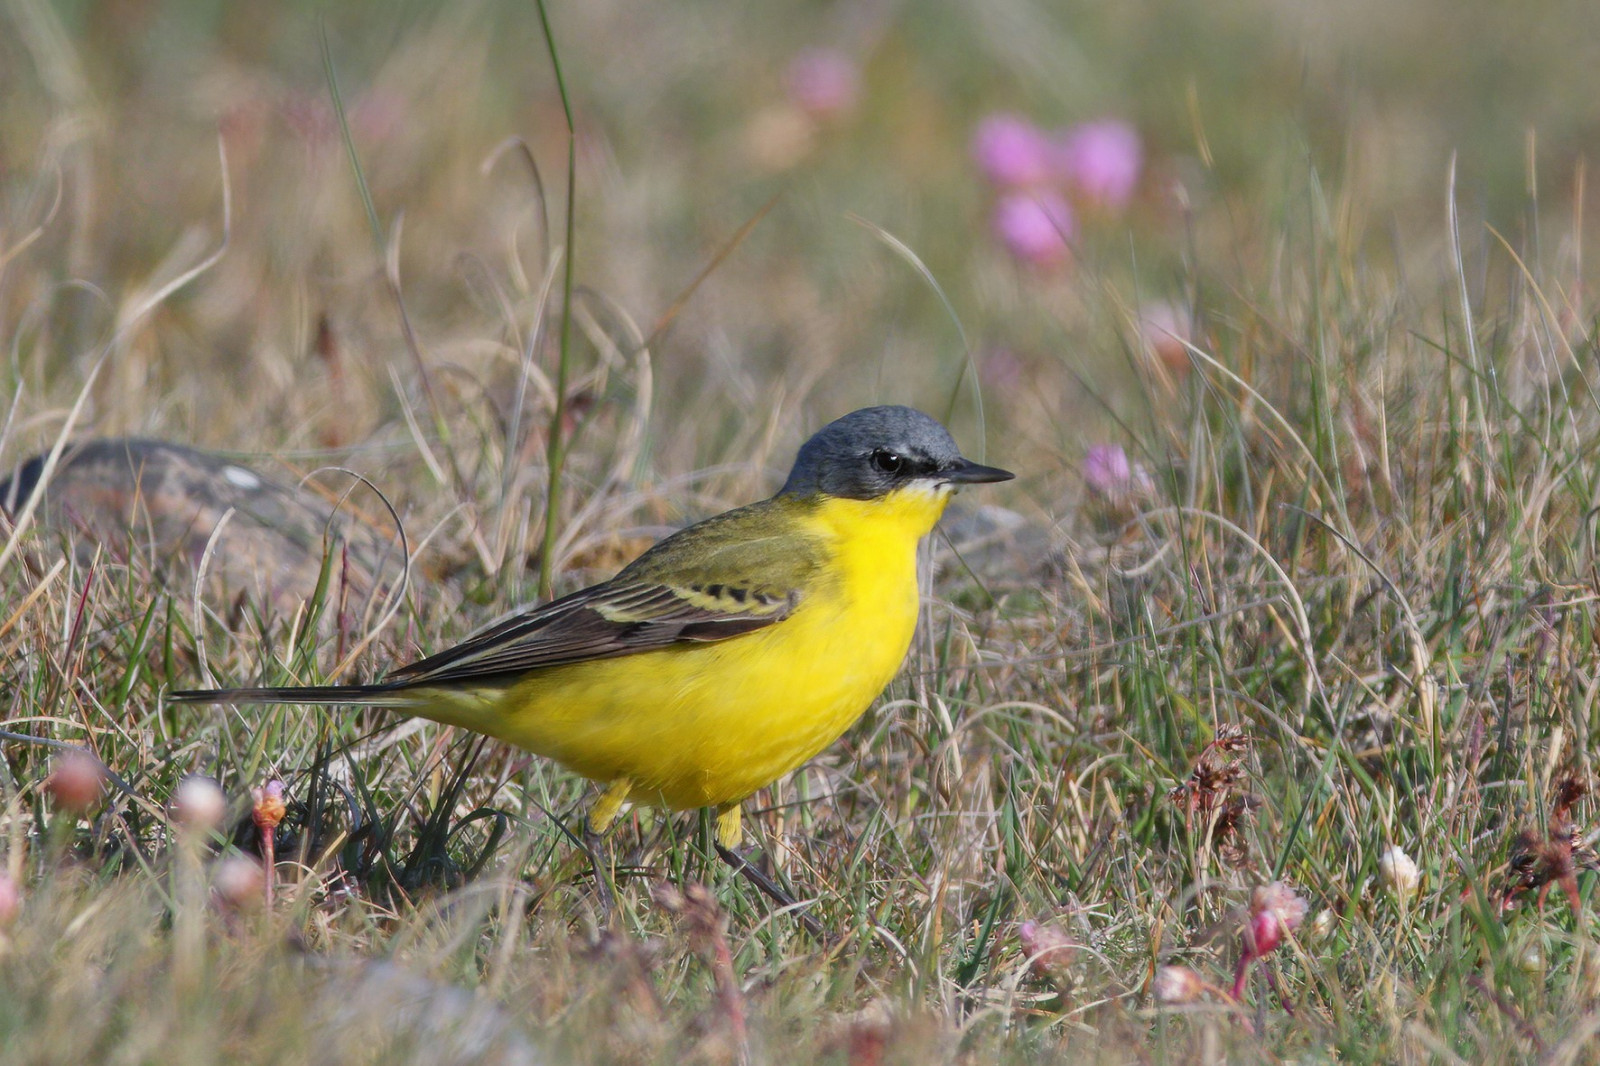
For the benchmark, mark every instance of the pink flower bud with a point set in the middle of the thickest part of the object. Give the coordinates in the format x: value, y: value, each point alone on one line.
x: 1176, y: 985
x: 10, y: 901
x: 1101, y: 161
x: 268, y: 807
x: 1011, y: 151
x: 1048, y: 949
x: 1037, y: 228
x: 1003, y: 370
x: 823, y: 82
x: 1117, y: 488
x: 1164, y: 328
x: 239, y: 883
x: 1275, y: 910
x: 1399, y: 871
x: 1263, y: 933
x: 76, y: 782
x: 198, y: 803
x: 1106, y: 470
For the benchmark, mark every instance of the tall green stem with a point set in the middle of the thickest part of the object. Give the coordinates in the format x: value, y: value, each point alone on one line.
x: 555, y: 445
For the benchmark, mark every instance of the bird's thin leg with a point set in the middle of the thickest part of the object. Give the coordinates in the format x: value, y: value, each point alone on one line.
x: 598, y: 851
x: 728, y: 836
x: 601, y: 815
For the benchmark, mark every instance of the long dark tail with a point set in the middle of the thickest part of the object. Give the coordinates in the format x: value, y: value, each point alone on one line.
x: 368, y: 695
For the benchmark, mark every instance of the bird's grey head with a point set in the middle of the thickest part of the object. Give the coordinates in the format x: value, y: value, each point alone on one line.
x: 871, y: 452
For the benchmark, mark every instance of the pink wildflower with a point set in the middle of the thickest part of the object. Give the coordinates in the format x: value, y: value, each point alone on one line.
x: 1011, y: 151
x: 1106, y: 470
x: 1048, y: 949
x: 1275, y: 911
x: 823, y: 82
x: 1037, y: 228
x: 1101, y: 161
x: 1164, y: 329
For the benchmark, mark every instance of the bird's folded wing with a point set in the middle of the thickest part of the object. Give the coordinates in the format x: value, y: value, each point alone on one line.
x: 620, y: 617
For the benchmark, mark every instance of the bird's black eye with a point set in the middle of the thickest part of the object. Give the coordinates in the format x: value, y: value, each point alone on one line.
x: 887, y: 461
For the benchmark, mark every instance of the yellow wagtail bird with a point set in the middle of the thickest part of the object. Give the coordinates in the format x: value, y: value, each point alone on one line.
x: 723, y: 657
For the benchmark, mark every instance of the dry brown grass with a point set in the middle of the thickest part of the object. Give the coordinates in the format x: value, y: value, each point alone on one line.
x: 1366, y: 542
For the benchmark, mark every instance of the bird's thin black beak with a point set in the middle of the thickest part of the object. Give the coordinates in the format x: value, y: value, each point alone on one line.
x: 966, y: 472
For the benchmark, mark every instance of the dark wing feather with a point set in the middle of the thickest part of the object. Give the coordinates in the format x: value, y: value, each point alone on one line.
x: 732, y: 574
x: 601, y: 622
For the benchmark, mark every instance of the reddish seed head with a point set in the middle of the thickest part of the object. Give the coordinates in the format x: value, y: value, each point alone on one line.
x: 76, y: 782
x: 268, y: 808
x: 1568, y: 791
x: 669, y: 898
x: 694, y: 904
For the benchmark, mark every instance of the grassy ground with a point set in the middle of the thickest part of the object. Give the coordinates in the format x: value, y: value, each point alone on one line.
x: 1349, y: 606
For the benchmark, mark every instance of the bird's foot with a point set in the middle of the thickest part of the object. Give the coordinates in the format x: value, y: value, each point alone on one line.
x: 772, y: 890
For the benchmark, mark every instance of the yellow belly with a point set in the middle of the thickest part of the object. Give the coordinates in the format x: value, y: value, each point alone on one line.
x: 707, y: 724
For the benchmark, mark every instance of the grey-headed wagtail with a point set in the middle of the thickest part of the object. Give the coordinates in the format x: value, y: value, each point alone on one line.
x: 726, y: 655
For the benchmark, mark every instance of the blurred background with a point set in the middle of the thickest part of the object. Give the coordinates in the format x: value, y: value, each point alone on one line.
x: 1081, y: 180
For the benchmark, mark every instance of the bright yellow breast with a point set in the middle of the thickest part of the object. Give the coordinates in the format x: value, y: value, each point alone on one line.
x: 707, y: 724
